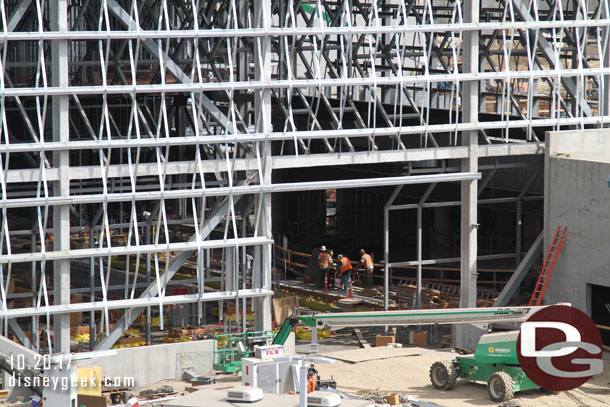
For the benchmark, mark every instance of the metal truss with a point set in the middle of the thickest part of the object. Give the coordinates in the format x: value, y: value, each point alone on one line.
x: 130, y: 116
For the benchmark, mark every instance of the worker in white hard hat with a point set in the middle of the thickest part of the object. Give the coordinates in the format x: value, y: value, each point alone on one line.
x: 325, y: 262
x: 324, y: 258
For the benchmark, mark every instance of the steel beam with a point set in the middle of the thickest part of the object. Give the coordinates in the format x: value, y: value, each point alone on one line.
x: 204, y: 32
x: 18, y: 13
x: 20, y: 335
x: 14, y: 351
x: 136, y: 303
x: 285, y: 162
x: 604, y: 90
x: 448, y: 260
x: 198, y: 87
x: 487, y: 201
x: 239, y: 190
x: 521, y: 272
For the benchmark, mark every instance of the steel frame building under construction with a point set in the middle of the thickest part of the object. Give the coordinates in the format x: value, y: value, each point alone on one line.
x: 146, y: 117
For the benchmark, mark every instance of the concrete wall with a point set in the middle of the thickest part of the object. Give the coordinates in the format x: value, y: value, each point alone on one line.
x: 577, y: 166
x: 149, y: 364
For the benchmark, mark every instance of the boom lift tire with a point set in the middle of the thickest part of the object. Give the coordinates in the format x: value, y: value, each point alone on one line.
x: 500, y: 387
x: 443, y: 375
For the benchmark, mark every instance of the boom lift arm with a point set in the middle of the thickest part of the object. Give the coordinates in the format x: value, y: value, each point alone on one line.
x: 403, y: 317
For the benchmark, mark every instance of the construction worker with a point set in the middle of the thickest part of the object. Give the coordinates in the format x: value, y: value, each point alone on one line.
x: 312, y: 379
x: 345, y: 271
x: 366, y: 263
x: 325, y: 262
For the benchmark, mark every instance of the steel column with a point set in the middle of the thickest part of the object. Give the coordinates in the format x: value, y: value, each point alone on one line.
x: 386, y: 246
x: 470, y: 113
x: 420, y: 209
x: 262, y: 117
x: 58, y: 15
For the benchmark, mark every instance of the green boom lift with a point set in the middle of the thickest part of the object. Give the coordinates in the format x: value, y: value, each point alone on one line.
x: 495, y: 360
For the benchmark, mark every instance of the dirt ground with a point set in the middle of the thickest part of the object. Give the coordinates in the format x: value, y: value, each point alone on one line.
x: 409, y: 375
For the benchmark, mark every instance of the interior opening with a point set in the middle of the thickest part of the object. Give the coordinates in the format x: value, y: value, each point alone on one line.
x: 600, y: 310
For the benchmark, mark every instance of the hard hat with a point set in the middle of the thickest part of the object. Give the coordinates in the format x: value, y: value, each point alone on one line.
x: 322, y: 248
x: 362, y: 251
x: 340, y: 256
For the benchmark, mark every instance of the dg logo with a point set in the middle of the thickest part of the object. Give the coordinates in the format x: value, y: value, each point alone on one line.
x: 560, y: 348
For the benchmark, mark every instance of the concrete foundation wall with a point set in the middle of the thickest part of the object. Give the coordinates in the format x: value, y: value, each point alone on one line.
x: 577, y: 196
x: 149, y: 364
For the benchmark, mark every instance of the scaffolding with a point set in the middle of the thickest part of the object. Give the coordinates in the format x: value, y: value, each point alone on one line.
x: 124, y: 120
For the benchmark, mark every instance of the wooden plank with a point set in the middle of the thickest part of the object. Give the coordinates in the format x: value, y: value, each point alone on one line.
x: 91, y: 401
x: 361, y: 339
x: 283, y: 308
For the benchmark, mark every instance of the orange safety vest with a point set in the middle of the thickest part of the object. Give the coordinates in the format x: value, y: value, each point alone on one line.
x: 325, y: 260
x: 366, y: 261
x: 311, y: 383
x: 345, y: 265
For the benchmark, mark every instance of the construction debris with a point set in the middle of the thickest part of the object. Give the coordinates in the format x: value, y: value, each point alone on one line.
x: 361, y: 340
x: 382, y: 340
x: 412, y: 401
x: 393, y: 399
x: 158, y: 392
x: 196, y: 379
x: 397, y: 399
x: 418, y: 338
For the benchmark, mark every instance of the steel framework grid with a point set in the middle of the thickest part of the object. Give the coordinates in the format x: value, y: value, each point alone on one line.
x: 123, y: 106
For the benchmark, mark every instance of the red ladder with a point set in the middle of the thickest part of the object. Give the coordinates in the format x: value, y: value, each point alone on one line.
x: 547, y: 268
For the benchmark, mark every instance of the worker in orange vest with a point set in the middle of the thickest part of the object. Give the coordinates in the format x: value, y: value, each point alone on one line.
x: 312, y: 379
x: 345, y: 271
x: 325, y: 262
x: 366, y: 263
